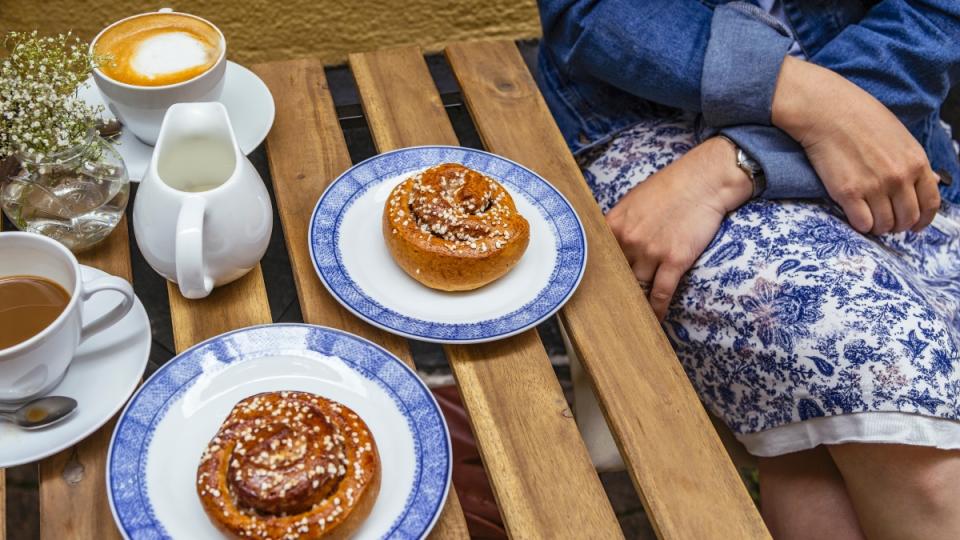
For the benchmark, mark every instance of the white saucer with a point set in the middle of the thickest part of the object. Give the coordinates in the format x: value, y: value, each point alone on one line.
x: 247, y: 99
x: 103, y: 374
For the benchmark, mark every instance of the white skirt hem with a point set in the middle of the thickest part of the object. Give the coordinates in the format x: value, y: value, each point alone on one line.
x: 868, y: 427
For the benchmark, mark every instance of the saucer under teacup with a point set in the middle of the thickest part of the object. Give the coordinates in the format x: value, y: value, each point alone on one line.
x: 105, y: 370
x: 247, y: 99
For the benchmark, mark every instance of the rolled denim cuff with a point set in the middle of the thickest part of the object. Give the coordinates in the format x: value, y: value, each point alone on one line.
x: 744, y: 54
x: 789, y: 175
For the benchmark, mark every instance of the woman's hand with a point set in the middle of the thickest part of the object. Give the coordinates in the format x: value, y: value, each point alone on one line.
x: 868, y: 161
x: 665, y: 223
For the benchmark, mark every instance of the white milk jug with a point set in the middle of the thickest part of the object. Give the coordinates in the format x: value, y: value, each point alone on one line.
x: 202, y: 216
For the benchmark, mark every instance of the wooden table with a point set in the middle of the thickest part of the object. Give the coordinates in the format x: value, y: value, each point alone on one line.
x: 544, y: 483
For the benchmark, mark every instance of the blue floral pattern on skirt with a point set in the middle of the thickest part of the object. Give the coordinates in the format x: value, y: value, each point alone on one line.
x: 790, y: 314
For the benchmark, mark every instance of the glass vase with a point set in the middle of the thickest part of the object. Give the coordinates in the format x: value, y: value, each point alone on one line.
x: 76, y: 197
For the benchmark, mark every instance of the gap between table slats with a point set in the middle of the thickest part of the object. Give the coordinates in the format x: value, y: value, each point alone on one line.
x: 306, y: 151
x: 538, y: 465
x: 688, y: 485
x: 73, y: 493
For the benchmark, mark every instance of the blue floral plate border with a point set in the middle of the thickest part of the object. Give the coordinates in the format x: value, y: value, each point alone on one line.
x: 127, y: 454
x: 324, y: 243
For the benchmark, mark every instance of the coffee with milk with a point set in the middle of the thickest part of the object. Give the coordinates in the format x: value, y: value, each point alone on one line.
x: 159, y: 49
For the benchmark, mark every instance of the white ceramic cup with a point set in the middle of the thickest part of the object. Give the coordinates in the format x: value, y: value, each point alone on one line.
x: 141, y: 108
x: 37, y: 365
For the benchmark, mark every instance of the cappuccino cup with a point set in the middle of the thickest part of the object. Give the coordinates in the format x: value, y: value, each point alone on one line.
x: 154, y: 60
x: 37, y: 361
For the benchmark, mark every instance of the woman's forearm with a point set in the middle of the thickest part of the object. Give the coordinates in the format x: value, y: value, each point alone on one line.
x: 802, y: 99
x: 868, y: 161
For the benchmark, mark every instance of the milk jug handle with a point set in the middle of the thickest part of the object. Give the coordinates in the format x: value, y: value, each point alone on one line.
x: 191, y: 276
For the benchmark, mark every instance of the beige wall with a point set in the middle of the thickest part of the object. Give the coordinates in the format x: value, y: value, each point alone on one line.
x: 260, y: 30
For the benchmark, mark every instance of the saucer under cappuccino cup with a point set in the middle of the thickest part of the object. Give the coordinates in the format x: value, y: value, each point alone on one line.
x: 154, y: 60
x: 38, y: 359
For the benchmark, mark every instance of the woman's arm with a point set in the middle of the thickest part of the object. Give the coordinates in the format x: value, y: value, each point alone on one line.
x: 870, y: 164
x: 904, y: 54
x: 665, y: 223
x: 727, y: 64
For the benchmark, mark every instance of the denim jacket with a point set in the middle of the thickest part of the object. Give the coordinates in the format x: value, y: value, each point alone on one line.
x: 605, y: 64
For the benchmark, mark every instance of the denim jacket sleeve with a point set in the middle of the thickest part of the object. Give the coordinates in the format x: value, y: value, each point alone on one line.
x: 723, y: 62
x: 906, y: 53
x: 665, y: 51
x: 741, y: 64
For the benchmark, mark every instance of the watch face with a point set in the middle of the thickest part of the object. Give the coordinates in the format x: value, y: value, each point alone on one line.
x: 747, y: 163
x: 753, y: 170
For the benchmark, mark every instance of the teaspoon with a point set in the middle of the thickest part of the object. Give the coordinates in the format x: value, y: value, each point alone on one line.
x: 40, y: 412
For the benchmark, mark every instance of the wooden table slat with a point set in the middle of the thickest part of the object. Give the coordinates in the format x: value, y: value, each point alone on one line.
x: 306, y: 151
x: 235, y: 305
x: 688, y: 485
x: 73, y: 494
x: 538, y: 465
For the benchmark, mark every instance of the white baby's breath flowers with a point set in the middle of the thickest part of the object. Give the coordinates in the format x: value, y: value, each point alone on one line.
x: 41, y: 114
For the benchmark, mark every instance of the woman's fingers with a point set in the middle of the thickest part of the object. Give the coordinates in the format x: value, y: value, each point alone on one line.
x: 658, y: 279
x: 928, y: 196
x: 644, y: 270
x: 883, y: 216
x: 858, y: 214
x: 664, y: 285
x: 906, y: 208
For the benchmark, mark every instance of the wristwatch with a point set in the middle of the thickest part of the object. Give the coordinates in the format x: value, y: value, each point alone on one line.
x: 750, y: 166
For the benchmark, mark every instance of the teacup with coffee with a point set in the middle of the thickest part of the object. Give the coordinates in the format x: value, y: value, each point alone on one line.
x: 154, y: 60
x: 41, y: 316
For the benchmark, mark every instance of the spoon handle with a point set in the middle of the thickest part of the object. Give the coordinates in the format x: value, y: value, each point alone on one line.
x: 8, y: 416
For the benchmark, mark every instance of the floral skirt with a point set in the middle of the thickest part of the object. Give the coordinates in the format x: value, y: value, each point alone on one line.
x: 795, y: 329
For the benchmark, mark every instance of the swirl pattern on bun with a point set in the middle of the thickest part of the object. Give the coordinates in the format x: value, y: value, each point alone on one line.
x: 289, y: 465
x: 452, y: 228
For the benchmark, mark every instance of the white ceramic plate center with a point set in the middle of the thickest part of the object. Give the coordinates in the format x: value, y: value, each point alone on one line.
x: 374, y: 270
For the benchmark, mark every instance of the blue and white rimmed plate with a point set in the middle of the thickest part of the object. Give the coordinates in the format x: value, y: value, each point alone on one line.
x: 158, y: 441
x: 353, y: 262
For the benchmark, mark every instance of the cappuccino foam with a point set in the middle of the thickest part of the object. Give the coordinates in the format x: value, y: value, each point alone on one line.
x: 158, y: 49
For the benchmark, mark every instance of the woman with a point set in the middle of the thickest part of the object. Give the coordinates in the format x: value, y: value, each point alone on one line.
x: 774, y: 174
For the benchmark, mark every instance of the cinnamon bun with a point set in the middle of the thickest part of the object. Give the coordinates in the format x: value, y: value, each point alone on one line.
x: 454, y: 229
x: 289, y: 465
